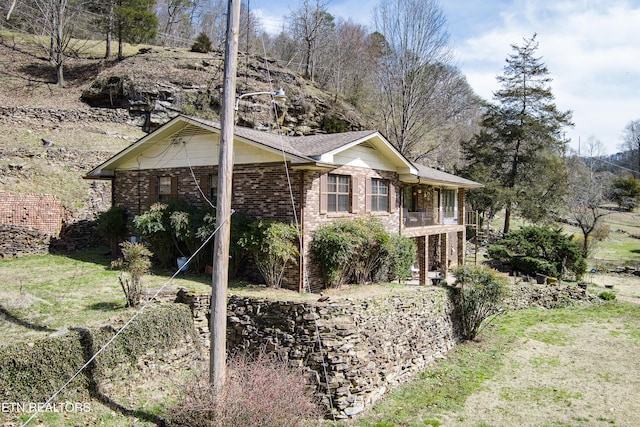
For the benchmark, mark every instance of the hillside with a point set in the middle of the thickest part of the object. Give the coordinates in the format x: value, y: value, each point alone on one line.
x: 51, y: 136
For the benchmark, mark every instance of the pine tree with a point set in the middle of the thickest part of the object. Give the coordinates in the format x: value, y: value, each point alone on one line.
x: 521, y: 142
x: 136, y: 22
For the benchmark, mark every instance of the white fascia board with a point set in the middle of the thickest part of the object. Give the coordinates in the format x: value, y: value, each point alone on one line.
x: 403, y: 165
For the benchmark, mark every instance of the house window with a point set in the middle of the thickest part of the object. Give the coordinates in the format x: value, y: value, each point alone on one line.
x: 379, y: 195
x: 164, y: 188
x: 449, y: 203
x: 338, y: 193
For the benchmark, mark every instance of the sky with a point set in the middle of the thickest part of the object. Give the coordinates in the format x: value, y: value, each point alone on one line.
x: 590, y: 47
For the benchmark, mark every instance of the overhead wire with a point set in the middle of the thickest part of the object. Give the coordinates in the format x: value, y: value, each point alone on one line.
x: 119, y: 331
x: 305, y: 278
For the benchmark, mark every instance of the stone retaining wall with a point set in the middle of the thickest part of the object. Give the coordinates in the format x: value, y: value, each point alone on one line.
x: 368, y: 344
x: 18, y: 241
x: 18, y: 114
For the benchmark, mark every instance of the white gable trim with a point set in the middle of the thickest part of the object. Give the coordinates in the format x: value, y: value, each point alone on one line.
x: 380, y: 144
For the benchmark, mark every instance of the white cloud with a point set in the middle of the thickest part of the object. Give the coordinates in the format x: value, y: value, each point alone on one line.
x: 590, y: 49
x: 589, y: 46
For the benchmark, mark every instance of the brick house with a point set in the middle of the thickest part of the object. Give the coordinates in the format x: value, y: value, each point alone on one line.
x: 325, y: 177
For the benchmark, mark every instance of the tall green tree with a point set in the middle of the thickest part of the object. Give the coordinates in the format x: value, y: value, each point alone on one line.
x: 136, y: 22
x: 521, y: 144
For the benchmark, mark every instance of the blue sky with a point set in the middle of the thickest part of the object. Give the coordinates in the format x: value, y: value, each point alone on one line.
x: 591, y: 48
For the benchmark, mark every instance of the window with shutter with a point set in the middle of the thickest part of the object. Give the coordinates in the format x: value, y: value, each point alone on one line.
x: 338, y: 193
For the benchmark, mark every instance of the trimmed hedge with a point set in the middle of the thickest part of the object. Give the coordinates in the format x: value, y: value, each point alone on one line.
x: 33, y: 372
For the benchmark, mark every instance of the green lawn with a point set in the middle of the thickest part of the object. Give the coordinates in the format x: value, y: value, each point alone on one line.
x: 526, y: 370
x: 41, y: 294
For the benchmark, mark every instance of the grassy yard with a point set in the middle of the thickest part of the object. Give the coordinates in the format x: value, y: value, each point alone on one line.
x: 41, y: 294
x: 565, y: 367
x: 576, y: 366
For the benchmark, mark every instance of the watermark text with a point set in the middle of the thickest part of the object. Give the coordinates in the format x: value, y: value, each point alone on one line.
x: 33, y: 407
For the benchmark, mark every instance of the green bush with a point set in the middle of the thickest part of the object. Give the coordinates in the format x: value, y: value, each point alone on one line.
x: 237, y: 253
x: 112, y: 223
x: 477, y: 297
x: 544, y: 248
x: 499, y: 253
x: 607, y: 296
x: 402, y: 256
x: 176, y: 229
x: 360, y: 250
x: 531, y: 266
x: 626, y: 192
x: 202, y: 44
x: 135, y: 264
x: 273, y: 245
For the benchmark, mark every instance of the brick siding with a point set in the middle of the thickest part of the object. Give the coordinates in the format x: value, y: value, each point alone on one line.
x: 42, y: 212
x: 262, y: 191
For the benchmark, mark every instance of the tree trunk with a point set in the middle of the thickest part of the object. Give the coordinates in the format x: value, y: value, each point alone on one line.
x: 120, y: 55
x: 109, y: 35
x: 507, y: 218
x: 59, y: 43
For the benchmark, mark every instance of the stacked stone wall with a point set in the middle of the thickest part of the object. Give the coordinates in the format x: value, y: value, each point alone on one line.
x: 18, y: 115
x: 365, y: 345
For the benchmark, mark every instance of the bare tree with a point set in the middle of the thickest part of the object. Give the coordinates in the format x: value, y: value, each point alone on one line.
x: 58, y: 20
x: 415, y: 66
x: 213, y: 21
x: 177, y: 20
x: 11, y: 7
x: 631, y: 135
x: 587, y: 192
x: 345, y: 58
x: 311, y: 24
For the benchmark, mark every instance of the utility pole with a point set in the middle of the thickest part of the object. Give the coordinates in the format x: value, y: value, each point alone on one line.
x: 218, y: 319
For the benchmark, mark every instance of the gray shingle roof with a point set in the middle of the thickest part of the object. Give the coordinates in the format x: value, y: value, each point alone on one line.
x: 306, y: 148
x: 311, y: 146
x: 436, y: 175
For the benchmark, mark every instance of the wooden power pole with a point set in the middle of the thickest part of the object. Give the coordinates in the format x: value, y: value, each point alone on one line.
x: 218, y: 319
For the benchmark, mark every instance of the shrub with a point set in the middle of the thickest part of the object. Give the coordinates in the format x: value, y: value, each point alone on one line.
x: 477, y: 297
x: 499, y: 253
x: 176, y: 229
x: 626, y: 192
x: 532, y: 248
x: 360, y: 250
x: 154, y: 226
x: 135, y: 264
x: 273, y: 245
x: 202, y: 44
x: 113, y: 224
x: 333, y: 248
x: 402, y: 256
x: 607, y: 296
x: 531, y: 266
x: 260, y: 392
x: 237, y: 253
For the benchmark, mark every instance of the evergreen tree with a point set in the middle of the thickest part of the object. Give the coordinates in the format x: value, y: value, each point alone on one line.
x: 521, y: 145
x: 202, y: 44
x: 136, y: 22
